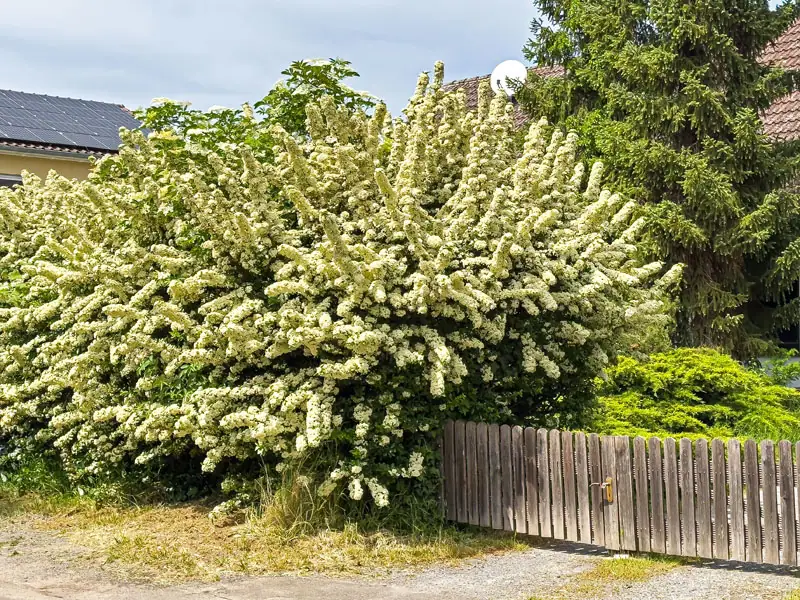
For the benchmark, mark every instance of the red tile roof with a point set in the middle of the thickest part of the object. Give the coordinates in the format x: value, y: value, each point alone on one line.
x: 785, y: 52
x: 471, y: 85
x: 781, y: 120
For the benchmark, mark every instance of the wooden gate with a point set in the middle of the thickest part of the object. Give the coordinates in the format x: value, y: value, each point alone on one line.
x: 723, y: 500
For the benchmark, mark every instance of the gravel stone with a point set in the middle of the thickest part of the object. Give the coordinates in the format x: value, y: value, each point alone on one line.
x: 37, y: 565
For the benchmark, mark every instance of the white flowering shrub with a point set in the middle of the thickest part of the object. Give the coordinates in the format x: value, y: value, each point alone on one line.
x: 193, y: 301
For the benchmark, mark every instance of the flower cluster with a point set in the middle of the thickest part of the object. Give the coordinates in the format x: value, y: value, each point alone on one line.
x: 194, y: 297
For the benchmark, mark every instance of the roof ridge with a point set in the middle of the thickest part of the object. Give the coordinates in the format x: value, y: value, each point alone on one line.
x: 542, y: 68
x: 62, y: 97
x: 467, y: 79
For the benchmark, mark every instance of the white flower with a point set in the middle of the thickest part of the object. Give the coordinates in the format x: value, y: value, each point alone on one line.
x: 415, y: 467
x: 379, y: 493
x: 355, y: 489
x: 337, y: 292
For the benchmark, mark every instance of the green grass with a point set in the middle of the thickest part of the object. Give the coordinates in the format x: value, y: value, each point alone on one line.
x: 632, y: 569
x: 608, y: 575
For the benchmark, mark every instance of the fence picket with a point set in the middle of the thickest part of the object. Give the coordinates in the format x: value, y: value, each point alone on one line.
x: 770, y: 497
x: 517, y: 456
x: 471, y: 441
x: 624, y: 493
x: 642, y: 494
x: 673, y: 508
x: 544, y: 483
x: 556, y: 479
x: 719, y: 472
x: 482, y: 459
x: 659, y: 542
x: 753, y: 501
x: 582, y: 470
x: 797, y: 493
x: 531, y: 482
x: 495, y: 478
x: 736, y: 500
x: 570, y: 508
x: 506, y: 488
x: 703, y: 506
x: 688, y: 523
x: 442, y: 479
x: 610, y: 514
x: 461, y: 471
x: 450, y: 471
x: 788, y: 531
x: 595, y: 493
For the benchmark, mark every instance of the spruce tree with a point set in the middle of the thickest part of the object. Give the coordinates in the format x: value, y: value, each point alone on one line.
x: 668, y: 93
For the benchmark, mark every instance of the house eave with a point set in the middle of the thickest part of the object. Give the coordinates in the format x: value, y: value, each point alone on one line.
x: 72, y: 156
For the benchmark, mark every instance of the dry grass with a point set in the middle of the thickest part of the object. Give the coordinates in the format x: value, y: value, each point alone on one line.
x: 168, y: 543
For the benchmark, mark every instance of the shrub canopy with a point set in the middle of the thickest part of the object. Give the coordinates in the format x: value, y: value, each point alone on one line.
x: 696, y: 393
x: 193, y: 300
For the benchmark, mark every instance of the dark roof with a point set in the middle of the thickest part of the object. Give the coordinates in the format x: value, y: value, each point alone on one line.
x: 781, y: 120
x: 51, y: 123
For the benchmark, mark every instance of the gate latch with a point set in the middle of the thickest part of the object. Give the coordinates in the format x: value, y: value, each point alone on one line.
x: 606, y: 485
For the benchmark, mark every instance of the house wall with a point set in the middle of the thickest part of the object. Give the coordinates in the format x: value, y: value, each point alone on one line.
x: 13, y: 164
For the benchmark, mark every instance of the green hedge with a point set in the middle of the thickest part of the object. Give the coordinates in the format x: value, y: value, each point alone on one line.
x: 696, y: 393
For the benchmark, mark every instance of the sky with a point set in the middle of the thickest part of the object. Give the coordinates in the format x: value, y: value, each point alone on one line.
x: 225, y: 52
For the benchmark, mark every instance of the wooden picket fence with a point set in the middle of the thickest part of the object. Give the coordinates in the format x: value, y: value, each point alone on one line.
x: 684, y: 497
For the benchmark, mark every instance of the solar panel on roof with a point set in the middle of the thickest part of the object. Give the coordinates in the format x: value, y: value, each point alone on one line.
x: 103, y: 143
x: 19, y: 133
x: 12, y: 112
x: 111, y: 142
x: 7, y: 100
x: 51, y: 137
x: 38, y: 118
x: 80, y: 139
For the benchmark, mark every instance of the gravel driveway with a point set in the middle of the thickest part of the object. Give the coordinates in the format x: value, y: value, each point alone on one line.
x: 36, y: 565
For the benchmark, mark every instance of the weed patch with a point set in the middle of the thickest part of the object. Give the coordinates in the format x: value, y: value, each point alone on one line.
x: 607, y: 576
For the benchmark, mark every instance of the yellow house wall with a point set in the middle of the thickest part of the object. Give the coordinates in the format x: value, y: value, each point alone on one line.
x: 13, y: 164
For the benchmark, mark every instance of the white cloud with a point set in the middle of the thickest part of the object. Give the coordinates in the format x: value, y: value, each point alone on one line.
x: 226, y: 52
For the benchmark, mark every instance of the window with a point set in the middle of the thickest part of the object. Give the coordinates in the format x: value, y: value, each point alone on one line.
x: 10, y: 180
